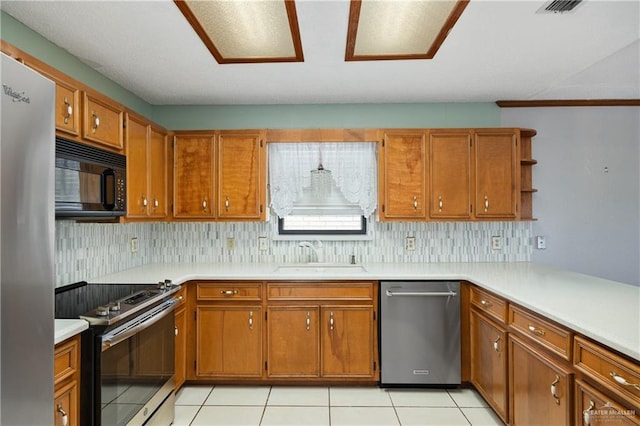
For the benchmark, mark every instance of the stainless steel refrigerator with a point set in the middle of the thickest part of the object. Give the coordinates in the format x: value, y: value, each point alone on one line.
x: 27, y: 278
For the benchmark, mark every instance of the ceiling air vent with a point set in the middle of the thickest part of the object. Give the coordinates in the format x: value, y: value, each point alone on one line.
x: 559, y: 6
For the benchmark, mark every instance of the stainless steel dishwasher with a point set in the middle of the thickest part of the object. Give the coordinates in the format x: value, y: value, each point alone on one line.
x: 419, y: 333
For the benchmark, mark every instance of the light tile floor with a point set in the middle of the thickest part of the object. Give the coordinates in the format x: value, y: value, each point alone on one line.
x: 335, y: 406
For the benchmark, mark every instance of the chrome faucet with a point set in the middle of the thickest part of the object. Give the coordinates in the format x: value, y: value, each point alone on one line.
x: 317, y: 249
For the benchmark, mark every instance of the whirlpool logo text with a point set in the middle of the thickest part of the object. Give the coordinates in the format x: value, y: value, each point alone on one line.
x: 17, y: 96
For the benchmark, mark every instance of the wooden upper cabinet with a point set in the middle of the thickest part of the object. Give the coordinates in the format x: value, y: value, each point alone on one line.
x: 450, y: 174
x: 496, y: 173
x: 158, y: 154
x: 193, y: 176
x: 402, y: 177
x: 147, y: 169
x: 137, y: 161
x: 102, y: 121
x: 241, y: 175
x: 67, y: 108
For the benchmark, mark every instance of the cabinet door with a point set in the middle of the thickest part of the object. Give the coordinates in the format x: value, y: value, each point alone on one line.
x: 67, y: 108
x: 137, y: 161
x: 540, y: 388
x: 403, y: 177
x: 181, y: 346
x: 193, y: 176
x: 65, y: 404
x: 450, y: 174
x: 240, y: 176
x: 596, y: 408
x: 496, y: 162
x: 347, y: 341
x: 102, y: 121
x: 157, y: 173
x: 489, y: 362
x: 229, y: 341
x: 293, y: 341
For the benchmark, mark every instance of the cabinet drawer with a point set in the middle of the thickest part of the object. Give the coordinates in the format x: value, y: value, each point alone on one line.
x: 552, y: 337
x: 595, y: 408
x: 491, y: 305
x: 622, y: 377
x: 229, y: 291
x: 181, y: 296
x: 65, y: 405
x: 65, y: 360
x: 320, y: 291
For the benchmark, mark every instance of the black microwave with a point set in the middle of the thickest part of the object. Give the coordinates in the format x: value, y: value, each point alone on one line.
x: 90, y: 182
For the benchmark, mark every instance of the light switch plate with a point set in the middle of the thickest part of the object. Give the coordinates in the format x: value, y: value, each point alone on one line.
x: 541, y: 242
x: 263, y: 243
x: 134, y: 245
x: 231, y: 243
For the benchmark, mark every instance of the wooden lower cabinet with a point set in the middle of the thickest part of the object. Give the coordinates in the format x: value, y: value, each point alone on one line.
x: 66, y: 376
x: 228, y: 341
x: 596, y: 408
x: 181, y: 346
x: 348, y: 341
x: 488, y: 345
x: 540, y: 387
x: 293, y: 341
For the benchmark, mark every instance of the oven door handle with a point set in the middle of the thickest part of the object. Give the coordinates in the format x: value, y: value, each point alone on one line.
x: 161, y: 311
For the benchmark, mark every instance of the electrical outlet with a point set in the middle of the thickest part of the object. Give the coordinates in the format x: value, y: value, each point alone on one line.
x: 231, y: 243
x: 410, y: 244
x: 541, y: 243
x: 263, y: 244
x: 496, y: 243
x: 134, y: 245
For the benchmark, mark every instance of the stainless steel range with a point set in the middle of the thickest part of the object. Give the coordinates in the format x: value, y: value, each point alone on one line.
x: 128, y: 355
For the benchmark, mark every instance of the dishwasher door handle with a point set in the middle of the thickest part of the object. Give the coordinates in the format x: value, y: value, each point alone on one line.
x: 422, y: 293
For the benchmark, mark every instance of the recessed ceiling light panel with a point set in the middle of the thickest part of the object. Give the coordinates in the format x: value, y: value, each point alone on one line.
x: 238, y: 31
x: 399, y: 29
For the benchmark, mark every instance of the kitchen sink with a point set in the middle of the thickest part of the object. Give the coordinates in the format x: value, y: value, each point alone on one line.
x: 321, y: 268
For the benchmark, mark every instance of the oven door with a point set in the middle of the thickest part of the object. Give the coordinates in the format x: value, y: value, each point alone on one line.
x: 137, y: 368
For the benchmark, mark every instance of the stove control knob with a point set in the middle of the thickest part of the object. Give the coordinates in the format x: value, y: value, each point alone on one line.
x: 168, y: 284
x: 115, y: 307
x: 102, y: 311
x: 160, y: 285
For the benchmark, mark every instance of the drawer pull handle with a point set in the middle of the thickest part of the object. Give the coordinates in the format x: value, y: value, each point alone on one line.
x: 68, y: 111
x: 415, y: 204
x: 556, y: 398
x: 486, y: 303
x: 486, y: 203
x: 175, y: 330
x: 144, y: 201
x: 226, y: 203
x: 229, y: 292
x: 440, y: 204
x: 331, y: 321
x: 496, y: 344
x: 586, y: 414
x: 621, y: 380
x: 308, y: 322
x: 250, y: 320
x: 96, y: 121
x: 538, y: 331
x: 65, y: 418
x: 156, y: 203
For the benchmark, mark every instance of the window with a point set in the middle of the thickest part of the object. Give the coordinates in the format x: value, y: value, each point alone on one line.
x: 322, y: 225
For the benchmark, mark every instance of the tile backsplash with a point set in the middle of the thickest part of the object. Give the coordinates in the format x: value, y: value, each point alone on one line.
x: 85, y: 251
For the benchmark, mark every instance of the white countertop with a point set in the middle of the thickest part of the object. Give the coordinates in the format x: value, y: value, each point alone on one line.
x: 65, y: 328
x: 606, y: 311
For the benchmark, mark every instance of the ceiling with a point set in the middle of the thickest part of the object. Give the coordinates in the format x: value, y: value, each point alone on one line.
x: 497, y: 50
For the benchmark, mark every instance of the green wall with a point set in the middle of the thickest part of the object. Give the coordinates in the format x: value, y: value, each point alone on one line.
x: 203, y: 117
x: 325, y: 116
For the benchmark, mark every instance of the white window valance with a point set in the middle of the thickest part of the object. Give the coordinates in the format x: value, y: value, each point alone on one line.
x: 353, y: 168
